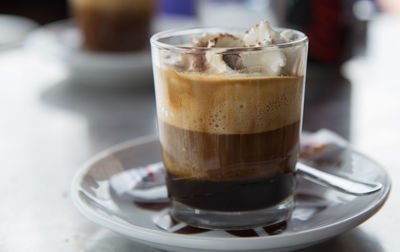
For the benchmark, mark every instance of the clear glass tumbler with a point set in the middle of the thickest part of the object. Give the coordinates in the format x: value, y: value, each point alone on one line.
x: 229, y: 124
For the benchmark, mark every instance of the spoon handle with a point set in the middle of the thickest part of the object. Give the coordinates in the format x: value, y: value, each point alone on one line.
x: 336, y: 182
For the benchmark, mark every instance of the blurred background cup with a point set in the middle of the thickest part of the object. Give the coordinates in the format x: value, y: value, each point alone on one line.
x: 114, y: 25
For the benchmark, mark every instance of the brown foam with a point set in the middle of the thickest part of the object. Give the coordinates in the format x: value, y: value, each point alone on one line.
x: 222, y: 104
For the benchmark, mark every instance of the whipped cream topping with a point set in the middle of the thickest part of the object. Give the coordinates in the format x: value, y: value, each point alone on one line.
x: 262, y: 34
x: 266, y: 59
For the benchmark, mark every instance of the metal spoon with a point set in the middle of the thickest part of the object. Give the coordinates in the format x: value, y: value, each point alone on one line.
x: 345, y: 185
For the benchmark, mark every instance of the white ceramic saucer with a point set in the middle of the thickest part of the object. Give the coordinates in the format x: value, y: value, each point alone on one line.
x: 13, y: 30
x: 319, y: 214
x: 61, y: 41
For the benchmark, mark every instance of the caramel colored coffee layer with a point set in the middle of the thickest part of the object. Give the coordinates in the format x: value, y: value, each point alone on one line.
x: 222, y: 104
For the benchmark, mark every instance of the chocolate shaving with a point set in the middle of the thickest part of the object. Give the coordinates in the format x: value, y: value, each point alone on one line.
x: 234, y: 61
x: 199, y: 62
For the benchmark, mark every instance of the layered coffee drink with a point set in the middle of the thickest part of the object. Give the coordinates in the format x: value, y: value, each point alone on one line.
x: 113, y: 25
x: 238, y: 139
x: 229, y: 112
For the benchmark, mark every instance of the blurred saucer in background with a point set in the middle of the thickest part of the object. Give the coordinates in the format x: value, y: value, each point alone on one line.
x: 61, y: 41
x: 13, y: 30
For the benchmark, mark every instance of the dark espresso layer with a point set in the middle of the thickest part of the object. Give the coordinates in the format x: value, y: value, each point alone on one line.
x: 103, y: 31
x: 232, y: 195
x: 230, y: 172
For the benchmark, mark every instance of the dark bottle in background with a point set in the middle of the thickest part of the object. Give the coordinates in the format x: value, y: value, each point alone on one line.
x: 335, y: 34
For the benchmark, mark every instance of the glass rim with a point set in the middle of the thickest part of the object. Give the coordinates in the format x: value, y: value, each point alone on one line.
x: 155, y: 39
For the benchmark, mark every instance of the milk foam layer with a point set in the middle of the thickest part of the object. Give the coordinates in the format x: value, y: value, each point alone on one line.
x: 228, y: 105
x: 113, y: 6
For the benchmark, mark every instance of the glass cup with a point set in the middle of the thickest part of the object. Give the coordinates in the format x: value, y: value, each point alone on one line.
x: 229, y: 134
